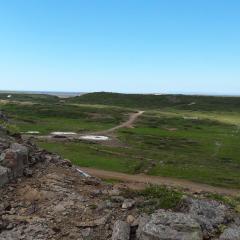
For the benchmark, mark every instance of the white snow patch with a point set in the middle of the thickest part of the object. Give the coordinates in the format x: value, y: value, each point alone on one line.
x: 32, y: 132
x: 63, y: 133
x: 94, y: 138
x: 83, y: 173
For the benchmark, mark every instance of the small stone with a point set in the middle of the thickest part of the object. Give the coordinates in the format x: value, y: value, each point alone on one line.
x: 27, y: 172
x: 56, y: 229
x: 128, y: 204
x: 117, y: 199
x: 96, y: 193
x: 86, y: 232
x: 114, y: 192
x: 130, y: 219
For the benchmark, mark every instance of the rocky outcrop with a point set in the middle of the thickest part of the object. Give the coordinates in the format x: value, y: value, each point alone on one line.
x: 15, y: 159
x: 231, y: 233
x: 167, y: 225
x: 209, y: 214
x: 42, y: 196
x: 121, y: 231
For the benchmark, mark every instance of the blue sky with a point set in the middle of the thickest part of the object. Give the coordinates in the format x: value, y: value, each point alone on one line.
x: 169, y: 46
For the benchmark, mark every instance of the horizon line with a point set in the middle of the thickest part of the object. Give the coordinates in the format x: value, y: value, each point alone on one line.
x: 143, y: 93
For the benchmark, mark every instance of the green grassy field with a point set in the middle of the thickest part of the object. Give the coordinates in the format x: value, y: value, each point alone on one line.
x: 174, y: 138
x: 92, y: 155
x: 200, y: 150
x: 46, y: 118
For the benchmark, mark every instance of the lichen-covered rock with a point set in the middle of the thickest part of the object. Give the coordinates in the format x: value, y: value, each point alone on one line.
x: 121, y: 231
x: 167, y: 225
x: 231, y: 233
x: 209, y: 214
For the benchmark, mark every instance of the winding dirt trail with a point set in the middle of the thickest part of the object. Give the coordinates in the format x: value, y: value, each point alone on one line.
x: 156, y: 180
x: 128, y: 124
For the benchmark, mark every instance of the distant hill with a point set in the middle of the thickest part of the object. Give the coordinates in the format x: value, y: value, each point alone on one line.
x: 34, y: 98
x: 151, y: 101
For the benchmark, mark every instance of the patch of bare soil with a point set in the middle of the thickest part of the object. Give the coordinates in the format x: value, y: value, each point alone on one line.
x: 143, y: 179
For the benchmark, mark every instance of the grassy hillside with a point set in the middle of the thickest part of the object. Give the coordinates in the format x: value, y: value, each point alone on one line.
x: 184, y: 102
x: 46, y: 118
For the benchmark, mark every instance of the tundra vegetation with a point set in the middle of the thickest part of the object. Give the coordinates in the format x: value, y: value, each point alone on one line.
x: 188, y: 137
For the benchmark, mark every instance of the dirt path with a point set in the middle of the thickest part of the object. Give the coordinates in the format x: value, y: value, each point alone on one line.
x: 128, y: 124
x: 146, y: 179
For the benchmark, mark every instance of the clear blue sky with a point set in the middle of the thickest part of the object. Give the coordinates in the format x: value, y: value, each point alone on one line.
x: 123, y: 46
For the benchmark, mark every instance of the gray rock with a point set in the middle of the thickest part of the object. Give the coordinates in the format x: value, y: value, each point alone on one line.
x: 231, y: 233
x: 86, y: 232
x: 209, y: 214
x: 167, y: 225
x: 128, y: 204
x: 15, y: 158
x: 22, y: 151
x: 27, y: 172
x: 142, y: 221
x: 4, y: 175
x: 121, y: 231
x: 34, y: 231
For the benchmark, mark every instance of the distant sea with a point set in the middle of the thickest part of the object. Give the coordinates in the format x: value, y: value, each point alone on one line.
x: 59, y: 94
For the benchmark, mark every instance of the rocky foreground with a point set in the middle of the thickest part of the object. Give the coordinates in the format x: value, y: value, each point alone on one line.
x: 43, y: 196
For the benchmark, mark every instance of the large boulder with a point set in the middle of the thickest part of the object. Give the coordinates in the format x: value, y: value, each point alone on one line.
x: 4, y: 175
x: 121, y: 231
x: 209, y: 214
x: 167, y: 225
x: 16, y: 159
x: 231, y: 233
x: 22, y: 151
